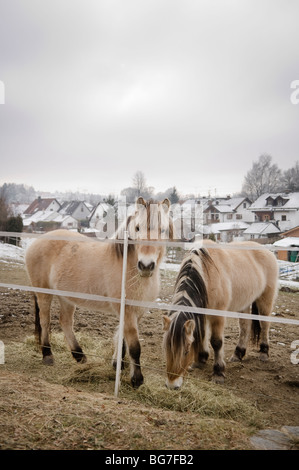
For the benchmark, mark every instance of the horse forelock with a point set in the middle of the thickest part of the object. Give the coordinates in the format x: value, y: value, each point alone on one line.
x: 148, y: 219
x: 175, y: 340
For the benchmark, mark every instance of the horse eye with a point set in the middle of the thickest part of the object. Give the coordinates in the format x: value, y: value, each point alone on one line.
x: 137, y: 228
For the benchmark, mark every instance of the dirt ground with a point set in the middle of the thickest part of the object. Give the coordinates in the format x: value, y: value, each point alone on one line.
x: 271, y: 387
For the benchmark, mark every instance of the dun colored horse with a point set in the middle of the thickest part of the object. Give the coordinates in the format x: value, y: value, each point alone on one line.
x: 237, y: 278
x: 74, y: 263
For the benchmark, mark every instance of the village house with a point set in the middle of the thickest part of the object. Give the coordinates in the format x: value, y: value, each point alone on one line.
x: 225, y: 232
x: 43, y: 214
x: 228, y: 210
x: 281, y: 209
x: 261, y: 231
x: 76, y: 209
x: 42, y: 205
x: 288, y: 254
x: 43, y: 221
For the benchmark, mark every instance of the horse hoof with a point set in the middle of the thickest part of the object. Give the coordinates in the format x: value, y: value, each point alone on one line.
x: 218, y: 379
x: 235, y: 358
x: 263, y: 357
x: 136, y: 381
x: 83, y: 360
x: 48, y: 360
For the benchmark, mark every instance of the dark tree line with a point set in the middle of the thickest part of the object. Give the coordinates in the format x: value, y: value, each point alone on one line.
x: 8, y: 222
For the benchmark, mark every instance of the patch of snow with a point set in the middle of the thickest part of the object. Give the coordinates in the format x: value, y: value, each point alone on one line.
x: 10, y: 253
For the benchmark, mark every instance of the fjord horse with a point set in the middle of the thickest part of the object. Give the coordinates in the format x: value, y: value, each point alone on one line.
x: 75, y: 263
x: 235, y: 278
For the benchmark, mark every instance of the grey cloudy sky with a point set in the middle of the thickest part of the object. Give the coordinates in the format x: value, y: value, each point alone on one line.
x: 190, y: 92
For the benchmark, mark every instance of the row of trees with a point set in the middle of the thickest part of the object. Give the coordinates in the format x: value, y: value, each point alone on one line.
x: 263, y: 177
x: 8, y: 222
x: 266, y: 177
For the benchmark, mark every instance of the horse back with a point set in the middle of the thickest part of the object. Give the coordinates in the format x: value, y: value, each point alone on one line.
x: 239, y: 274
x: 44, y: 255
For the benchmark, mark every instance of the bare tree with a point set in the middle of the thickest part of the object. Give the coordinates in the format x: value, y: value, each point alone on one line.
x: 264, y: 177
x: 139, y: 183
x: 291, y: 178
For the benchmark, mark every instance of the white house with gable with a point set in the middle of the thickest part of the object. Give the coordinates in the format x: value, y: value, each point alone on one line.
x: 280, y: 208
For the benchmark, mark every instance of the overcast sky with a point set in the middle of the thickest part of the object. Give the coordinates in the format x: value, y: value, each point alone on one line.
x: 190, y: 92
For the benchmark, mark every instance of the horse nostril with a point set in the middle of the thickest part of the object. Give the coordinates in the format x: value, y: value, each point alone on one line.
x: 151, y: 266
x: 140, y: 265
x: 148, y: 267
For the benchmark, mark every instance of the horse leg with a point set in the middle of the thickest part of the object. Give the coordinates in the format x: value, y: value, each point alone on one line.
x: 202, y: 349
x: 217, y: 343
x: 264, y: 306
x: 132, y: 340
x: 123, y: 353
x: 67, y: 322
x: 244, y: 334
x: 42, y: 325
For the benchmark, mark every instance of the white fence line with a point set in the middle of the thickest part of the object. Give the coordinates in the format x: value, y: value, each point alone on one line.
x: 163, y: 242
x: 151, y: 305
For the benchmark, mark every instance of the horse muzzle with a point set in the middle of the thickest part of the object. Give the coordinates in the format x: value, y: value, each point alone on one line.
x: 174, y: 384
x: 146, y: 270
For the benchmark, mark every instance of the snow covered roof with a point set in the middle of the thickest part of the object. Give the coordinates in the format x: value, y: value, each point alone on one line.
x: 289, y: 201
x: 262, y: 227
x: 288, y: 241
x: 225, y: 226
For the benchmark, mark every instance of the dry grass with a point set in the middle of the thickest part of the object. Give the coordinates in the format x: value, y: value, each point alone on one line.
x: 72, y: 406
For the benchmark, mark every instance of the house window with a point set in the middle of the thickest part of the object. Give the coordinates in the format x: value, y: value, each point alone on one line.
x: 239, y: 216
x: 229, y: 216
x: 283, y: 218
x: 244, y: 205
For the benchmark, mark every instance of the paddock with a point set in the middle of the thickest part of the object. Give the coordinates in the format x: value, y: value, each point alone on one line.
x: 73, y: 406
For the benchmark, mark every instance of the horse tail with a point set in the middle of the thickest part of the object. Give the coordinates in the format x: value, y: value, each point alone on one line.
x: 38, y: 328
x: 256, y: 324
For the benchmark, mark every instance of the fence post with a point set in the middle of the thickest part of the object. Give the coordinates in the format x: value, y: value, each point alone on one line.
x: 121, y: 316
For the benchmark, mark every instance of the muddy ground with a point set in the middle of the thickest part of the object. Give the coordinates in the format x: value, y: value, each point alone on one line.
x: 271, y: 387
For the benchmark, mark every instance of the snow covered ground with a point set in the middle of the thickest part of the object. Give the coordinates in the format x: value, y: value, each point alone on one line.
x: 11, y: 253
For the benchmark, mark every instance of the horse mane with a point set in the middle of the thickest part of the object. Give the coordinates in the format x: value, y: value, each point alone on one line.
x: 190, y: 291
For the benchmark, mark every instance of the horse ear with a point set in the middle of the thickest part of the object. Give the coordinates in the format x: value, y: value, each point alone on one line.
x: 166, y: 204
x: 140, y: 201
x: 189, y: 328
x: 166, y: 322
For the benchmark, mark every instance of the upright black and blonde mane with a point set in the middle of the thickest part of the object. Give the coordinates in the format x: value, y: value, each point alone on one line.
x: 190, y: 291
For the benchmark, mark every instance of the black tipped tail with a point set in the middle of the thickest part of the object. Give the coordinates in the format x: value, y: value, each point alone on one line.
x: 38, y: 328
x: 256, y: 325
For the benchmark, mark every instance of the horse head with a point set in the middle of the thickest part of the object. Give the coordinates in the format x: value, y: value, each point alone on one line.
x: 150, y: 222
x: 178, y: 346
